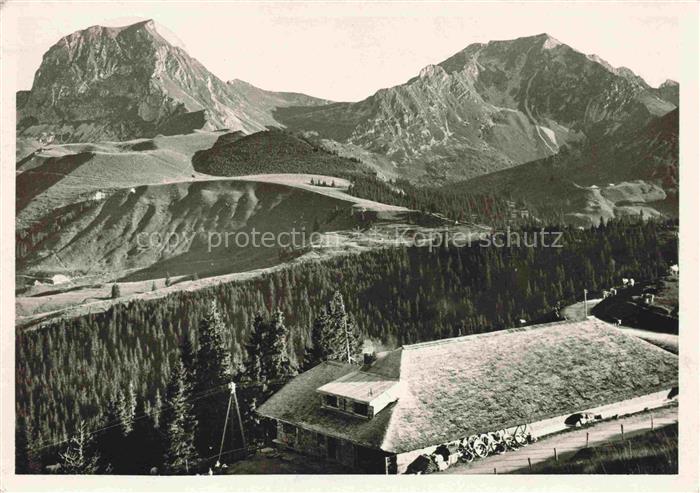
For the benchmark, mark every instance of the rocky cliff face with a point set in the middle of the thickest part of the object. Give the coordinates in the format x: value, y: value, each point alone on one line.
x: 489, y: 107
x: 669, y: 91
x: 107, y: 83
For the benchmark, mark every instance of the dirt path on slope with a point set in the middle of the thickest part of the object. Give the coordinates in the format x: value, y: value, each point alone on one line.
x: 569, y: 442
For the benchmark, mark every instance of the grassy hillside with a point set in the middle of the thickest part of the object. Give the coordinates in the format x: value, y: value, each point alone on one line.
x: 61, y: 175
x: 653, y: 452
x: 108, y: 235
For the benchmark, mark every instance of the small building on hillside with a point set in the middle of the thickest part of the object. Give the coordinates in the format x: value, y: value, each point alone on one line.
x: 380, y: 417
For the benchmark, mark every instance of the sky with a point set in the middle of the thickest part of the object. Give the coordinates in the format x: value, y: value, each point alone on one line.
x: 347, y: 51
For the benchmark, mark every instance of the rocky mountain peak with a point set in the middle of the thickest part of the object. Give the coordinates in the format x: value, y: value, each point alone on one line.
x: 116, y: 83
x: 489, y: 106
x: 550, y: 41
x: 430, y: 71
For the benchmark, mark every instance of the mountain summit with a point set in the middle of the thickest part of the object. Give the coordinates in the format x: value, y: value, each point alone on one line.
x: 116, y: 83
x: 488, y: 107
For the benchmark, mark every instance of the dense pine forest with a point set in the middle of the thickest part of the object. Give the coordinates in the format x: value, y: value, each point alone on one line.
x: 67, y: 372
x: 454, y: 204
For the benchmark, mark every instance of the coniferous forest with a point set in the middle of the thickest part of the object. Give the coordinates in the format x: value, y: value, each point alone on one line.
x: 78, y: 374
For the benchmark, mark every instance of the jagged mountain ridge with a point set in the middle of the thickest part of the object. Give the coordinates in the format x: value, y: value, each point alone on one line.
x: 118, y: 83
x: 488, y: 107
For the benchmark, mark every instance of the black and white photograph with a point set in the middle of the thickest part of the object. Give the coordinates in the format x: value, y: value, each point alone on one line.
x: 327, y: 245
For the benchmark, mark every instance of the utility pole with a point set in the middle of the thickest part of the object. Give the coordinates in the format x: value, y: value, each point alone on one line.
x: 223, y: 433
x: 585, y: 304
x: 234, y: 399
x: 240, y: 421
x: 347, y: 338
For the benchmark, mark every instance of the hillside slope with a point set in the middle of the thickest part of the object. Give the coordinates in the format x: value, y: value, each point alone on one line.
x: 59, y: 175
x: 629, y: 172
x: 129, y: 229
x: 489, y: 107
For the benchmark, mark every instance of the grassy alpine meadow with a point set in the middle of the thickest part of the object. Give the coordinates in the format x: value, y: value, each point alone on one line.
x: 652, y: 452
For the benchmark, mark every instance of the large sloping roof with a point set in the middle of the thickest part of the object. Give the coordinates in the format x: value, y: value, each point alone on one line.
x: 456, y: 387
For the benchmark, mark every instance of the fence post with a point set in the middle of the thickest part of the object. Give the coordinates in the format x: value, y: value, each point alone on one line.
x: 494, y: 471
x: 529, y: 464
x: 586, y: 439
x: 652, y: 421
x: 556, y: 458
x: 622, y: 430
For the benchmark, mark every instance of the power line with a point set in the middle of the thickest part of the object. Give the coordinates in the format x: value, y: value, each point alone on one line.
x: 195, y: 397
x: 119, y: 422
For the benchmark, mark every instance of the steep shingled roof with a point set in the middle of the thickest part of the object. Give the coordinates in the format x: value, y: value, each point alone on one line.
x: 456, y: 387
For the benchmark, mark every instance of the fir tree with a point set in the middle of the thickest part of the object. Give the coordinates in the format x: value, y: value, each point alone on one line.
x: 127, y: 409
x: 79, y: 456
x: 179, y: 423
x: 322, y: 344
x: 335, y: 335
x: 346, y: 335
x: 157, y: 410
x: 189, y: 358
x: 255, y: 351
x: 277, y: 365
x: 26, y: 460
x: 213, y: 373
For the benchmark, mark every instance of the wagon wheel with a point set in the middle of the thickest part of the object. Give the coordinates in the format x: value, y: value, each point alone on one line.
x: 499, y: 447
x: 466, y: 455
x: 488, y: 441
x: 480, y: 448
x: 497, y: 443
x: 520, y: 438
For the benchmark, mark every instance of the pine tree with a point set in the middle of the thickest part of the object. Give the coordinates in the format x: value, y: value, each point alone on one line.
x: 79, y: 456
x: 157, y: 410
x: 335, y: 335
x: 255, y: 351
x: 277, y: 366
x: 179, y: 423
x: 189, y: 358
x: 127, y: 409
x: 322, y: 343
x: 347, y: 336
x: 26, y: 460
x: 213, y: 373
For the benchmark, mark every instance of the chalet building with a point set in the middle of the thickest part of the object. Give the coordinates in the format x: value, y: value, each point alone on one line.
x: 380, y: 417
